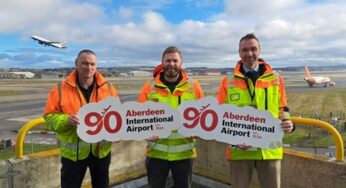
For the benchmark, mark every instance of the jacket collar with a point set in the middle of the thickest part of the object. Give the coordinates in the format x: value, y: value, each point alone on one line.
x: 183, y: 80
x: 238, y: 70
x: 73, y: 76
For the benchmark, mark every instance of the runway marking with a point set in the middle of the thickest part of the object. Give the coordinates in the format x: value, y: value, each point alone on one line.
x: 25, y: 118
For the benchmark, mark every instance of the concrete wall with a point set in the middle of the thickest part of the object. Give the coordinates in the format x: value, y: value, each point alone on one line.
x: 43, y: 169
x: 211, y: 161
x: 298, y: 169
x: 307, y: 170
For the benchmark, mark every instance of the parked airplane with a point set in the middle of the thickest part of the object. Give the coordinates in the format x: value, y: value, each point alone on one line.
x: 321, y: 80
x: 47, y: 42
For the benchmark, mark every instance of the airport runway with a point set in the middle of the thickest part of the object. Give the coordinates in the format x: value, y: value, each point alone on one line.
x: 14, y: 115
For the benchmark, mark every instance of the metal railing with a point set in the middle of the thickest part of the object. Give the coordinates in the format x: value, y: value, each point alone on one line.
x: 22, y: 133
x: 339, y: 151
x: 339, y: 144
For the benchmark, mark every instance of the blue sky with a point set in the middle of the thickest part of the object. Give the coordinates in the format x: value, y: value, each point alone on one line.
x: 135, y: 32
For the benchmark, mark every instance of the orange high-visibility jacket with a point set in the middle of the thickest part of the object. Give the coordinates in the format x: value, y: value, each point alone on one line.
x: 176, y: 146
x: 66, y: 99
x: 268, y: 93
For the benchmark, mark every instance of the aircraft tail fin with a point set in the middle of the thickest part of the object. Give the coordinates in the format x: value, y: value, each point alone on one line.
x: 64, y: 44
x: 307, y: 72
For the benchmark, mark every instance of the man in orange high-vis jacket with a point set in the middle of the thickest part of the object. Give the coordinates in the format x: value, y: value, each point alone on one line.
x: 254, y: 83
x: 82, y: 86
x: 170, y: 85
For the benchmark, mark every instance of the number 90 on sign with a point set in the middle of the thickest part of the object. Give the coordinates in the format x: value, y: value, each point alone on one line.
x: 202, y: 117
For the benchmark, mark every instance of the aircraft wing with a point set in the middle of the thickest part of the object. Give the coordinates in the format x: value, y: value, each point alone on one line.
x: 40, y: 39
x: 58, y: 45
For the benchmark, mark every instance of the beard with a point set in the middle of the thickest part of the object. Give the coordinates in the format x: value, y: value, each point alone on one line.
x: 171, y: 72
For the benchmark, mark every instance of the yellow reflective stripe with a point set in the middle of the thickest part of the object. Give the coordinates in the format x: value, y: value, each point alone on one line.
x: 152, y: 83
x: 171, y: 149
x: 109, y: 84
x: 81, y: 95
x: 277, y: 76
x: 59, y: 89
x: 74, y: 145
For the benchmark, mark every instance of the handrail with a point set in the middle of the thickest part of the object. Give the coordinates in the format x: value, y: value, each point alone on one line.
x: 339, y: 153
x: 22, y: 133
x: 339, y: 150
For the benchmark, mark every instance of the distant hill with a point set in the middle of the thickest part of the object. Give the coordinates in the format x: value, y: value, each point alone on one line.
x: 149, y: 68
x: 314, y: 68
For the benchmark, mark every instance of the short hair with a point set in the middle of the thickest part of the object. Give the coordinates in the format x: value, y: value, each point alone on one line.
x: 86, y: 51
x: 171, y: 49
x: 249, y: 36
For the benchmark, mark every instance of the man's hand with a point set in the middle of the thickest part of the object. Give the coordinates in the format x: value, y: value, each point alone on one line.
x: 117, y: 141
x: 73, y: 120
x: 287, y: 126
x: 153, y: 138
x: 243, y: 147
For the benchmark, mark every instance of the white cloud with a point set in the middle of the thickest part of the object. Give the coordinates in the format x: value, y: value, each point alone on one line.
x: 153, y: 30
x: 154, y: 22
x: 50, y: 18
x: 125, y: 13
x: 290, y: 31
x: 258, y: 10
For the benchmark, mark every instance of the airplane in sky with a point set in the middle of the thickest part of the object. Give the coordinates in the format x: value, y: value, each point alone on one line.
x: 320, y: 80
x: 47, y: 42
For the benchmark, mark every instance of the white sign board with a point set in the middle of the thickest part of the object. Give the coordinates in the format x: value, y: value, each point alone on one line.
x: 110, y: 120
x: 229, y: 123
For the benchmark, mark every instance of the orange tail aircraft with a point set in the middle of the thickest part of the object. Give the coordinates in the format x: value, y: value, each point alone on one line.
x: 320, y: 80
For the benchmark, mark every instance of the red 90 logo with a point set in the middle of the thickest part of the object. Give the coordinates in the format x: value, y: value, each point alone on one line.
x: 196, y: 116
x: 94, y: 119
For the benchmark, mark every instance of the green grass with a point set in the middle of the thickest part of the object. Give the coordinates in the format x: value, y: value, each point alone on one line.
x: 317, y: 104
x: 11, y: 92
x: 318, y: 137
x: 28, y: 148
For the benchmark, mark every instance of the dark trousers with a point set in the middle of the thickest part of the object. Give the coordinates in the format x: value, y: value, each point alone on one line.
x: 72, y: 173
x: 158, y: 170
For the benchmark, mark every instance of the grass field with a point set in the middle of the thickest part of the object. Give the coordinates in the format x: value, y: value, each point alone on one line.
x: 317, y: 104
x: 320, y: 103
x: 28, y: 148
x: 11, y: 92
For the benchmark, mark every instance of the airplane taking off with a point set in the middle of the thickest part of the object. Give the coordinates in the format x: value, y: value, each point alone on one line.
x: 47, y: 42
x: 321, y: 80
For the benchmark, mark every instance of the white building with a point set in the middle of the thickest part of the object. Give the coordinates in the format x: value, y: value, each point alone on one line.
x: 24, y: 74
x: 54, y: 75
x: 140, y: 73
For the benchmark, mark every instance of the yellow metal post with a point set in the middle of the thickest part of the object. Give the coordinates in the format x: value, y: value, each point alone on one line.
x: 339, y: 151
x: 22, y: 134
